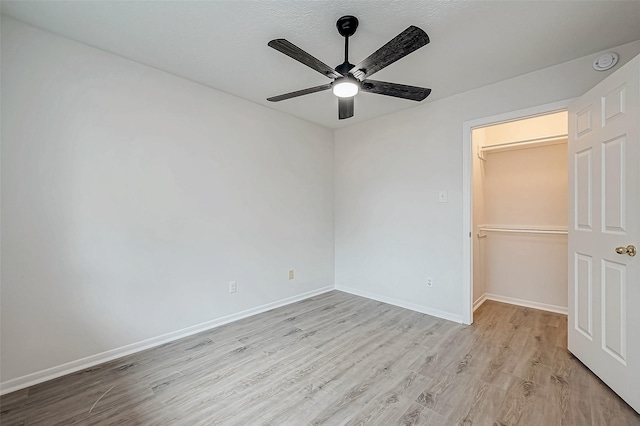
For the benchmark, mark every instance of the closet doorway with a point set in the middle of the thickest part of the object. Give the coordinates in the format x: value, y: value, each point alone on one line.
x: 519, y: 184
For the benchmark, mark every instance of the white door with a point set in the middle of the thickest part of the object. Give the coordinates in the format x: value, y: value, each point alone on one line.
x: 604, y: 202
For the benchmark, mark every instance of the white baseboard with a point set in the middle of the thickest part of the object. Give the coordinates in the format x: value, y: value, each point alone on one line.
x: 479, y: 302
x: 93, y: 360
x: 402, y: 304
x: 520, y: 302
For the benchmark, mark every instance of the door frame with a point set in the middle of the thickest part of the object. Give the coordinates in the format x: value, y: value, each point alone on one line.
x: 467, y: 185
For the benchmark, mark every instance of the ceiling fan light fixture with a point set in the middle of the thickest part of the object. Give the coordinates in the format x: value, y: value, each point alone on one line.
x: 345, y: 88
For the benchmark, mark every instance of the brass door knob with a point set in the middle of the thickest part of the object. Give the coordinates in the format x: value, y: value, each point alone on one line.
x: 628, y: 250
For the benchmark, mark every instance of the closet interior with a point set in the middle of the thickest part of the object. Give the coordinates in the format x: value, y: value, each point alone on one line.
x: 520, y: 212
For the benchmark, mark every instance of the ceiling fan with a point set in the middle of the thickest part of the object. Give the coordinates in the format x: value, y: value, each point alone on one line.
x: 347, y: 78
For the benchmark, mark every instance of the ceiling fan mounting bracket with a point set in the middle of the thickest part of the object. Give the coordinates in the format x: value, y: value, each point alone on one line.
x: 347, y: 25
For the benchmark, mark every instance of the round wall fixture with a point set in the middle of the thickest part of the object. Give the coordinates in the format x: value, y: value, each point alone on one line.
x: 605, y: 61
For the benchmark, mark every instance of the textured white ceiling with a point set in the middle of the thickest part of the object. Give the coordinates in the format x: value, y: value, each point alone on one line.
x: 223, y: 44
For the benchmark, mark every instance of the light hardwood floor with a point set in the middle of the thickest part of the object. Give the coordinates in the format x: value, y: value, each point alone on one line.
x: 339, y: 359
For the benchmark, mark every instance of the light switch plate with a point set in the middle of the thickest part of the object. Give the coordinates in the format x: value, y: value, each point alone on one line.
x: 443, y: 196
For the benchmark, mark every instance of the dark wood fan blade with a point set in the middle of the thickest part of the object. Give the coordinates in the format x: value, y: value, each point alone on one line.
x: 411, y: 39
x: 301, y: 56
x: 345, y: 108
x: 299, y: 93
x: 393, y: 89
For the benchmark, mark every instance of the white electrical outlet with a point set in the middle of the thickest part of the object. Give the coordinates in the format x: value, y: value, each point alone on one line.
x: 429, y: 282
x: 290, y: 274
x: 233, y: 287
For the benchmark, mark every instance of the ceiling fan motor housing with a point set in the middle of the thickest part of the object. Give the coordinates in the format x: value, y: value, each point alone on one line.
x: 344, y: 68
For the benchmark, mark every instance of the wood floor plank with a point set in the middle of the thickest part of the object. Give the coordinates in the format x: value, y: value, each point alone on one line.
x: 390, y: 404
x: 337, y: 359
x: 520, y: 405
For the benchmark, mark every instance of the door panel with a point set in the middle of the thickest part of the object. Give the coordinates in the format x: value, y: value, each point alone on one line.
x: 583, y: 190
x: 604, y: 185
x: 613, y: 186
x: 583, y: 121
x: 614, y: 313
x: 613, y: 104
x: 583, y: 295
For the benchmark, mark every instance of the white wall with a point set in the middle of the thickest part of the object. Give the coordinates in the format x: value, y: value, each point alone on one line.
x: 527, y: 187
x: 391, y: 232
x: 131, y: 197
x: 542, y: 126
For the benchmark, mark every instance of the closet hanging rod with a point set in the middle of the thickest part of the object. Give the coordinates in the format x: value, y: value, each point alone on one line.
x: 523, y: 230
x: 522, y: 144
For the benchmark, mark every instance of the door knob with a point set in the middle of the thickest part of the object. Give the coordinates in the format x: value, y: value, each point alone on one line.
x: 629, y: 250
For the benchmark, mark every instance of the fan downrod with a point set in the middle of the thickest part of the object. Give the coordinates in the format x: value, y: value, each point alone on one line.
x: 347, y: 26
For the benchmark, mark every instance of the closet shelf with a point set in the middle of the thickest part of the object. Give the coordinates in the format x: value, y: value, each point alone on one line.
x: 522, y: 144
x: 522, y: 230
